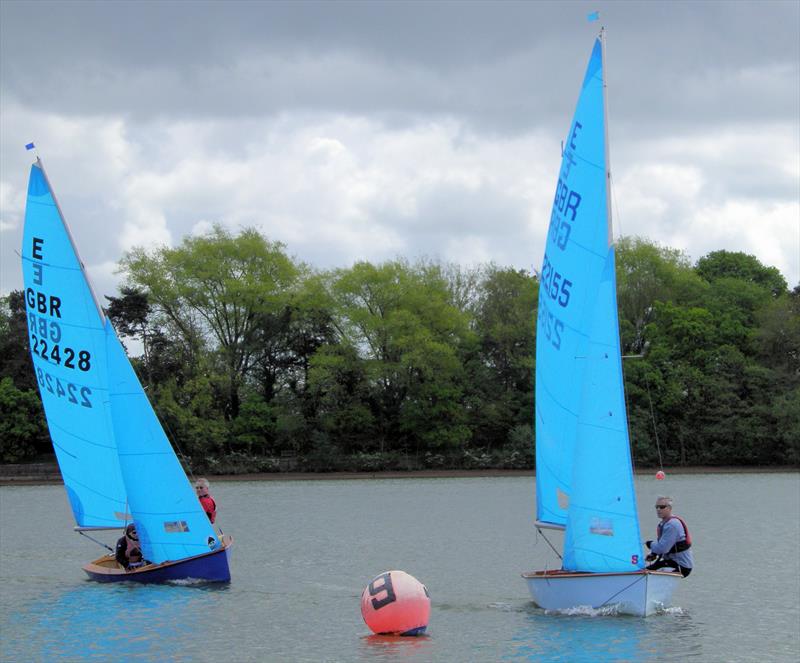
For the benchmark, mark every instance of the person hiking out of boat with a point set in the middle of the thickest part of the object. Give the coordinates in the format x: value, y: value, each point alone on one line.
x: 129, y: 552
x: 204, y: 495
x: 672, y: 548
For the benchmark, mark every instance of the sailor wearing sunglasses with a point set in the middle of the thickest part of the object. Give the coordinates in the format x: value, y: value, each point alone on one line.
x: 672, y: 549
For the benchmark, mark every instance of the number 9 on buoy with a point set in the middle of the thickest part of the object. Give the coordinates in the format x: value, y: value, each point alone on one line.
x: 396, y: 603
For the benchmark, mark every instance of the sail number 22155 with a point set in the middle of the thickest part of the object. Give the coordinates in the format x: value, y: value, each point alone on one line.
x: 555, y: 285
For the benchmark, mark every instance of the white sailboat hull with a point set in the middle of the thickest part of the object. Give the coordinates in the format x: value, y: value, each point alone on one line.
x: 638, y: 593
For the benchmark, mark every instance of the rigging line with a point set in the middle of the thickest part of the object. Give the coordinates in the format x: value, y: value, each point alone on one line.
x: 99, y: 543
x: 653, y: 418
x: 643, y: 576
x: 549, y: 544
x: 187, y: 462
x: 167, y: 429
x: 173, y: 440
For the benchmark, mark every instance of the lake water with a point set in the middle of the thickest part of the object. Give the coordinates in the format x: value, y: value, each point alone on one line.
x: 305, y: 550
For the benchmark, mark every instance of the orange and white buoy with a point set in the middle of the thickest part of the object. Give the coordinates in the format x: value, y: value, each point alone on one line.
x: 660, y: 476
x: 396, y: 603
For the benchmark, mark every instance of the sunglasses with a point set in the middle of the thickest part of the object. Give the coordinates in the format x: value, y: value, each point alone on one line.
x: 662, y: 506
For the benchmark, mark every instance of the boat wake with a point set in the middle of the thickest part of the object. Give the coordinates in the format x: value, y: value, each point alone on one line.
x: 587, y: 611
x: 187, y: 582
x: 609, y: 611
x: 505, y: 607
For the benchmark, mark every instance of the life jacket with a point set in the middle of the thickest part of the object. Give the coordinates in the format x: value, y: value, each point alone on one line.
x: 680, y: 546
x: 133, y: 551
x: 210, y: 507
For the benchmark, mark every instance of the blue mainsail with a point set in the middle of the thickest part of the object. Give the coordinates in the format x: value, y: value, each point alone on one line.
x: 584, y: 478
x: 66, y: 331
x: 117, y: 463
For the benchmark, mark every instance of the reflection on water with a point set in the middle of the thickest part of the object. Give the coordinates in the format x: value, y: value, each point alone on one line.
x: 600, y: 636
x: 391, y: 647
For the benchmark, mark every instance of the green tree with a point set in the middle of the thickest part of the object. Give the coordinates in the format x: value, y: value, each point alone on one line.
x: 648, y: 273
x: 400, y: 321
x: 15, y: 359
x: 501, y: 369
x: 778, y: 334
x: 192, y: 419
x: 786, y: 411
x: 741, y: 266
x: 342, y: 393
x: 23, y: 433
x: 211, y: 292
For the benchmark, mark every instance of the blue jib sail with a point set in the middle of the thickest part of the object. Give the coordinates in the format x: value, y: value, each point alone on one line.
x: 584, y: 478
x: 66, y: 331
x: 170, y: 521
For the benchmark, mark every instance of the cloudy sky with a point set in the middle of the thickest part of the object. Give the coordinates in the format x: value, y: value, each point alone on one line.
x: 372, y: 130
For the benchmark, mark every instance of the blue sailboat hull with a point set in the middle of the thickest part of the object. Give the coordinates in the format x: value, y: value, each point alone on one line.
x: 208, y: 567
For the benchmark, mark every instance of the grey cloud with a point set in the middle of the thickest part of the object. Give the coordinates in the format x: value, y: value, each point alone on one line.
x: 504, y: 66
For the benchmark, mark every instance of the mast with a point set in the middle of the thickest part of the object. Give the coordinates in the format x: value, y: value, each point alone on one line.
x: 609, y: 221
x: 100, y: 312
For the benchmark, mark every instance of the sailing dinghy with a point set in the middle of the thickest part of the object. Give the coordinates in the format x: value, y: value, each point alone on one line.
x: 117, y: 464
x: 584, y: 475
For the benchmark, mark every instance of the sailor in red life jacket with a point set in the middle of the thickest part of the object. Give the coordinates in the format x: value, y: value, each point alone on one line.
x: 128, y: 552
x: 673, y: 547
x: 208, y: 503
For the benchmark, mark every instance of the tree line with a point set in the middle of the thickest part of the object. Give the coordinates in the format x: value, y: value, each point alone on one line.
x: 256, y: 362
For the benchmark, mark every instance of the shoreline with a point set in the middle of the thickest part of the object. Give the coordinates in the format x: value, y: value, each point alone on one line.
x: 54, y: 478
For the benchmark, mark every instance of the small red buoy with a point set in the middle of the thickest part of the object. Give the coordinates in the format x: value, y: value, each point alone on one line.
x: 396, y: 603
x: 660, y: 475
